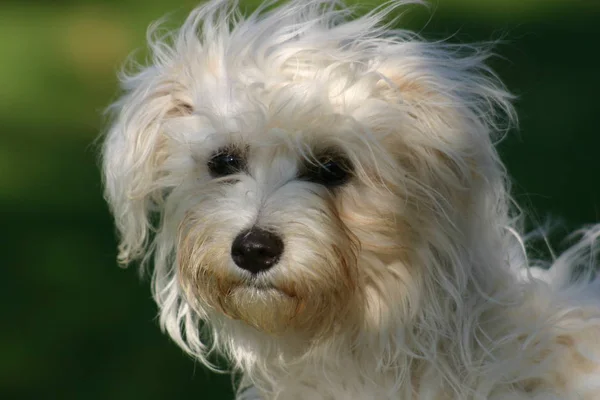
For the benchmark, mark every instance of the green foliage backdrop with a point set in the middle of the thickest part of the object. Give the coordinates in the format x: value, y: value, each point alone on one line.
x: 74, y: 325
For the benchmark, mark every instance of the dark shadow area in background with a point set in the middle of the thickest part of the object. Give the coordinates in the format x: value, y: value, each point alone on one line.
x: 75, y: 326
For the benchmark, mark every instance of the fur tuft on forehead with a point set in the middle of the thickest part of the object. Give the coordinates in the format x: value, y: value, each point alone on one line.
x: 305, y: 56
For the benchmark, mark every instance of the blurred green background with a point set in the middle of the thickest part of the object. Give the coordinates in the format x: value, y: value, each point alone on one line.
x: 74, y: 325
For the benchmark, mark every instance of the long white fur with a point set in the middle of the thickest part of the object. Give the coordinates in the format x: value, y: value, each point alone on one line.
x: 439, y: 299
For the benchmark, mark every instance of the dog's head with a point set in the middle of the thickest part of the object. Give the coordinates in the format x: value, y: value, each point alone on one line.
x: 300, y: 172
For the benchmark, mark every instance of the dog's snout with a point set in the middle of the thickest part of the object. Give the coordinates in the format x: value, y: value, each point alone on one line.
x: 256, y: 250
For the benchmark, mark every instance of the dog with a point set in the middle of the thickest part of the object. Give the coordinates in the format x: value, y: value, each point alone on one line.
x: 321, y: 202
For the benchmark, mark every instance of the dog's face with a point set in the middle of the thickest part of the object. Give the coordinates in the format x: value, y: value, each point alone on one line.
x: 283, y: 195
x: 298, y: 170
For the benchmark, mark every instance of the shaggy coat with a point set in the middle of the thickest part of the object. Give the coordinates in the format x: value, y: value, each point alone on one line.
x: 407, y: 278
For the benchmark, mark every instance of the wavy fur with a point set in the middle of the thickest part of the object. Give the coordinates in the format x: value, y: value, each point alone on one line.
x: 412, y: 281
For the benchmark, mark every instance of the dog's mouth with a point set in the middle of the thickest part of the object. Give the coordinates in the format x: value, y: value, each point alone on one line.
x: 261, y: 287
x: 256, y: 293
x: 266, y: 307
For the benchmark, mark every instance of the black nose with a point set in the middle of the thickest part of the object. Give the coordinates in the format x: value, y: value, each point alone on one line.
x: 256, y: 250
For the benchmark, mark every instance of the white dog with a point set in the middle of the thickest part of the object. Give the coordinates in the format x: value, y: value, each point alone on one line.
x: 322, y: 203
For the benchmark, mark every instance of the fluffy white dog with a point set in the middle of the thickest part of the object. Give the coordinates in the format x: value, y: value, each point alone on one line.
x: 322, y: 203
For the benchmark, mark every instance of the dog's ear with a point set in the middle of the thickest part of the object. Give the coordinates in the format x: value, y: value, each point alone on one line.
x: 131, y: 155
x: 456, y: 105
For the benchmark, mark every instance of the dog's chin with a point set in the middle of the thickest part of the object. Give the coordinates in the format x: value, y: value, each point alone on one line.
x: 266, y: 308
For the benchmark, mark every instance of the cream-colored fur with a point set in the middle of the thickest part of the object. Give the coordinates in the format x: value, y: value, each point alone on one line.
x: 410, y: 280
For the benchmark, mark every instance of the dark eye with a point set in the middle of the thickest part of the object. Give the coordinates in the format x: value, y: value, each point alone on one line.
x: 329, y: 171
x: 225, y: 162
